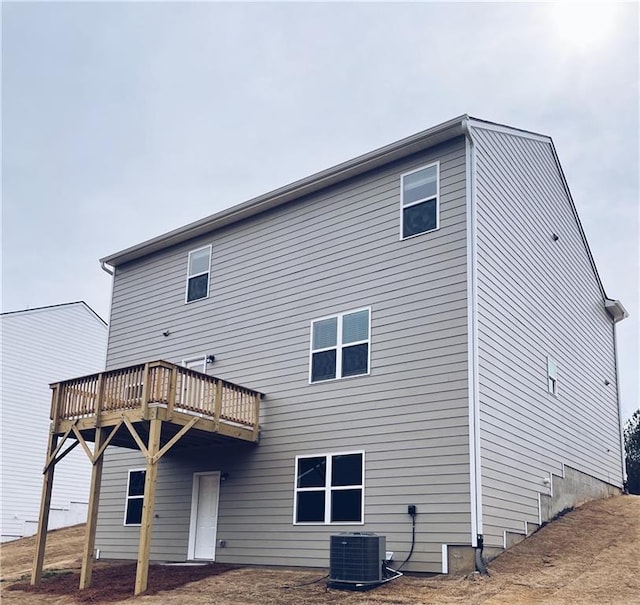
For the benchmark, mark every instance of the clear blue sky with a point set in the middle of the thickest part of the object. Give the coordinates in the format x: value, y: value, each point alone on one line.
x: 125, y: 120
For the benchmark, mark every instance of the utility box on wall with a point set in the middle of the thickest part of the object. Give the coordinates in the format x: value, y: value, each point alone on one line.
x: 356, y: 559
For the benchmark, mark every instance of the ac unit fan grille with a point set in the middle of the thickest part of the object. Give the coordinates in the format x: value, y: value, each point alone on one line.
x: 356, y: 558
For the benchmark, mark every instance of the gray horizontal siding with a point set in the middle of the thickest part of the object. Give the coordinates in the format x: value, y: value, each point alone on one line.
x: 536, y: 298
x: 271, y: 276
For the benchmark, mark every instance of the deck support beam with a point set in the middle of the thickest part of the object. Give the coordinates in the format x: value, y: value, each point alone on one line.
x: 148, y: 506
x: 88, y: 553
x: 43, y: 517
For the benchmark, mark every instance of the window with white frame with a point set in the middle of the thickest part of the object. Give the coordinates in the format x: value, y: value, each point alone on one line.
x: 329, y: 488
x: 199, y: 265
x: 419, y: 195
x: 135, y: 497
x: 552, y: 376
x: 199, y: 364
x: 340, y: 346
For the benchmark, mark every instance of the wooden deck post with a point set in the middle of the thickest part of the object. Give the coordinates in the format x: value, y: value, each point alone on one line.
x: 88, y: 556
x: 43, y: 518
x: 148, y: 506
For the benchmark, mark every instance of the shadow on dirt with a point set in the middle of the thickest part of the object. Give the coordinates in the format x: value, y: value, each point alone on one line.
x: 115, y: 583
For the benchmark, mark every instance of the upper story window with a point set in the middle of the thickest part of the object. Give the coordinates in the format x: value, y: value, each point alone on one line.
x: 419, y: 197
x: 552, y: 376
x: 329, y: 488
x: 198, y: 274
x: 135, y: 497
x: 340, y: 346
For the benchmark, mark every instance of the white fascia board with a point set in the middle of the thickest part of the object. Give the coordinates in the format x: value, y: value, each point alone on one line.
x: 326, y: 178
x: 481, y: 124
x: 574, y: 210
x: 516, y: 132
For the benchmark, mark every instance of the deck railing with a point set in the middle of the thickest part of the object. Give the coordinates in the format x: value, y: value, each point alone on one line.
x: 156, y: 383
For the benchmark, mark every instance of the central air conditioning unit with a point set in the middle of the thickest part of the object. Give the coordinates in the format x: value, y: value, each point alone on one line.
x: 356, y: 560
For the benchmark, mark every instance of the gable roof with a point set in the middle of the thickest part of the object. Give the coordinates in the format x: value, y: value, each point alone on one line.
x: 53, y: 307
x: 459, y: 126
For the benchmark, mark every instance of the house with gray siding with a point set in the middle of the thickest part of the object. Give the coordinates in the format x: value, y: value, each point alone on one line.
x: 422, y: 326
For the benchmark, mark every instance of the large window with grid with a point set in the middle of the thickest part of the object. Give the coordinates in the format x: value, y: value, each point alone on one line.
x: 419, y: 200
x: 329, y: 488
x: 340, y: 346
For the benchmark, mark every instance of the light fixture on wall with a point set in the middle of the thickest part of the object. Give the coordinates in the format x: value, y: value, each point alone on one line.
x: 224, y: 476
x: 211, y: 358
x: 166, y: 333
x: 555, y: 237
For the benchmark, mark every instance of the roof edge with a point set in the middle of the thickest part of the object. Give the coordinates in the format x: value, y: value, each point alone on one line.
x: 47, y: 307
x: 305, y: 186
x: 504, y: 129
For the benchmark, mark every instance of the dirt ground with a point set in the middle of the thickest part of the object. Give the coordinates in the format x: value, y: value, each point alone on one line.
x: 589, y: 556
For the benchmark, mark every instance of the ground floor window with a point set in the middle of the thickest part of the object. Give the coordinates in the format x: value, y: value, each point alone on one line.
x: 329, y: 488
x: 135, y: 497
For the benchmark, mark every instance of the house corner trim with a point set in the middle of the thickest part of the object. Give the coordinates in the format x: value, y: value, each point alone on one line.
x: 472, y: 350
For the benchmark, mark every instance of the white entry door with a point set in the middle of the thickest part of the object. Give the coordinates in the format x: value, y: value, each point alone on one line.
x: 204, y: 516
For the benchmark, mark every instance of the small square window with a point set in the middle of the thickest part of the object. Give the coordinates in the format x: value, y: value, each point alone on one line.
x: 355, y: 326
x: 419, y: 199
x: 199, y: 265
x: 323, y: 365
x: 325, y: 333
x: 346, y: 506
x: 346, y: 469
x: 355, y: 360
x: 312, y: 472
x: 340, y: 346
x: 310, y: 507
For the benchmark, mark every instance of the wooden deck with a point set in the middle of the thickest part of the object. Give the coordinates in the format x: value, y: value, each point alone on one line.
x: 152, y: 407
x: 215, y: 410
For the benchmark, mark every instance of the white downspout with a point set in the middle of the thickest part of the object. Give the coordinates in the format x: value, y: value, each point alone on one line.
x: 110, y: 271
x: 623, y: 457
x: 472, y: 330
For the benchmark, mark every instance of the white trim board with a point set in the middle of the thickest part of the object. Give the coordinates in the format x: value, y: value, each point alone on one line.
x: 475, y: 479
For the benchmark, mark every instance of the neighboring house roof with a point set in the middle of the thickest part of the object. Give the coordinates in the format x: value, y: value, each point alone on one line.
x: 421, y: 141
x: 48, y: 307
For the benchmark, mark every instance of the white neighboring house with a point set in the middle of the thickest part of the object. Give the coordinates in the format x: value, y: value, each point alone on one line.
x: 41, y: 346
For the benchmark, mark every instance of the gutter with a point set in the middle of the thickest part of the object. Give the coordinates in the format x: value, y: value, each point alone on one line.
x: 617, y: 312
x: 105, y: 268
x: 306, y: 186
x: 615, y: 309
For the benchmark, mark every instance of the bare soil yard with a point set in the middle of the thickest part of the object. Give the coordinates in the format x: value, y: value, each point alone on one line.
x: 589, y: 556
